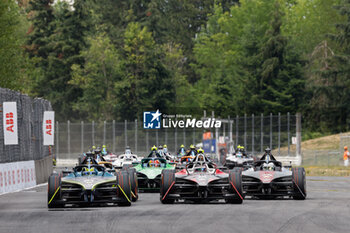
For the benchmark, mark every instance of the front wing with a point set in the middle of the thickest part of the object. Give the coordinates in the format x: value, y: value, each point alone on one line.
x: 189, y: 190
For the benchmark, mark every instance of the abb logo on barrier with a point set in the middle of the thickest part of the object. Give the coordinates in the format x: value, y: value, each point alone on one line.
x: 48, y: 127
x: 9, y: 122
x: 23, y: 176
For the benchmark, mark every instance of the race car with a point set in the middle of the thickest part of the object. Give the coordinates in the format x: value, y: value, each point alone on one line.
x: 238, y: 160
x: 201, y: 182
x: 186, y: 159
x: 90, y: 157
x: 91, y: 184
x: 126, y: 160
x: 268, y: 179
x: 149, y: 173
x: 110, y: 157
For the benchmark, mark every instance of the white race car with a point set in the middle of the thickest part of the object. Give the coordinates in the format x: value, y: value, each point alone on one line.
x: 126, y: 159
x: 238, y: 160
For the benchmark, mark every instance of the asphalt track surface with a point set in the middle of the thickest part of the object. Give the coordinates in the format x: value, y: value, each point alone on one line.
x: 326, y: 209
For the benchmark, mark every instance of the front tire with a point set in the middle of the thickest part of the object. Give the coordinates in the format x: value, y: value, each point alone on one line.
x: 54, y: 191
x: 167, y: 180
x: 299, y: 183
x: 235, y: 180
x: 124, y: 188
x: 134, y: 184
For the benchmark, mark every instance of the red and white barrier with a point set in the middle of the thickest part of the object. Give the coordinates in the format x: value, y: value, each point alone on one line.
x: 16, y: 176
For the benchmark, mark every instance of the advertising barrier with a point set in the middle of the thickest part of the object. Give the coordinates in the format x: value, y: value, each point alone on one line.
x: 17, y: 176
x: 10, y: 123
x: 48, y: 128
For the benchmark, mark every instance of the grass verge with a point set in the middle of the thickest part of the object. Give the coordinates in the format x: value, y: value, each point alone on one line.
x: 327, y: 171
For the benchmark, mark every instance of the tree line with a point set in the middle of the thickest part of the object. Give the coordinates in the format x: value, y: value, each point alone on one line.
x: 113, y: 59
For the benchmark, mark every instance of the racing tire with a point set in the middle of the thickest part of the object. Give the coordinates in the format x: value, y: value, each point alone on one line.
x: 299, y: 183
x: 124, y: 188
x: 54, y: 191
x: 134, y: 184
x: 235, y: 180
x: 168, y: 179
x: 238, y: 169
x: 126, y: 166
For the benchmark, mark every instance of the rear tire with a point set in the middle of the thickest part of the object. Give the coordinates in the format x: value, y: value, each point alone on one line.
x: 53, y: 194
x: 299, y: 183
x: 235, y: 180
x: 124, y: 191
x: 126, y: 166
x: 134, y: 184
x: 238, y: 169
x: 167, y: 179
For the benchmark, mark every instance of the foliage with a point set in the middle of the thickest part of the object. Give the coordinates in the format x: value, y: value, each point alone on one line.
x: 11, y: 38
x: 113, y: 59
x: 102, y: 68
x: 146, y: 82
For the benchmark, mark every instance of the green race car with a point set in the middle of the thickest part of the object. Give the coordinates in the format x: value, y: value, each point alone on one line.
x: 149, y: 173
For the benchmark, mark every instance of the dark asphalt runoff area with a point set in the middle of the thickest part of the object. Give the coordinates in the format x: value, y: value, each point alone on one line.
x: 326, y: 209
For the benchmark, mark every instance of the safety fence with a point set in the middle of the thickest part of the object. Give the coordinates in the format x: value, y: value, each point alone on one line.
x: 254, y: 132
x: 322, y: 158
x: 30, y: 135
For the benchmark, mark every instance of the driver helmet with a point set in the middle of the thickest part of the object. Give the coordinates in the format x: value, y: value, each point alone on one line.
x: 156, y: 163
x: 89, y: 153
x: 104, y: 150
x: 127, y: 150
x: 200, y: 158
x: 87, y: 171
x: 182, y: 146
x: 192, y: 147
x: 200, y: 151
x: 271, y: 166
x: 154, y: 148
x: 268, y: 150
x: 160, y: 147
x: 265, y: 166
x: 98, y: 150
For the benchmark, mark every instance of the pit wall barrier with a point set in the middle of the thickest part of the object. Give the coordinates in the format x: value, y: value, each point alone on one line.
x: 43, y: 169
x: 17, y: 176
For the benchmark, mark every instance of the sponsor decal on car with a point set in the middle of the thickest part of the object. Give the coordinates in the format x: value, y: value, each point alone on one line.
x: 266, y: 176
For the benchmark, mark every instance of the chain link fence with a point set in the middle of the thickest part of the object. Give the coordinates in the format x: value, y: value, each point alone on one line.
x: 331, y: 157
x: 322, y: 158
x: 30, y: 137
x: 254, y: 132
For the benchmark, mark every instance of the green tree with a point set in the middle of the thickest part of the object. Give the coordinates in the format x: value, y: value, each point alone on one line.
x: 11, y: 38
x: 281, y: 83
x: 60, y: 48
x: 41, y: 16
x: 146, y: 83
x: 101, y: 70
x: 227, y: 57
x: 307, y: 22
x: 329, y: 108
